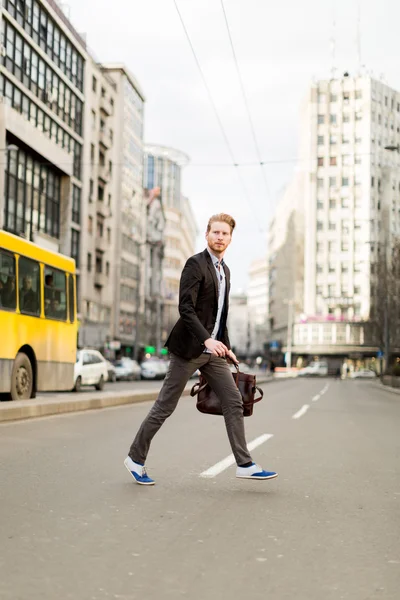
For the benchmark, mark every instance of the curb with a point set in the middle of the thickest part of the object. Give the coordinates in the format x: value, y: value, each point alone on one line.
x: 32, y: 409
x: 387, y: 388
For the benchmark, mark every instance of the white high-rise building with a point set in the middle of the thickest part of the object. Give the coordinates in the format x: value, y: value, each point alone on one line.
x: 257, y: 302
x: 352, y: 204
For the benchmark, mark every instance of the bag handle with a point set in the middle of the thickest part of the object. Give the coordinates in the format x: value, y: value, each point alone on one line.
x: 200, y: 388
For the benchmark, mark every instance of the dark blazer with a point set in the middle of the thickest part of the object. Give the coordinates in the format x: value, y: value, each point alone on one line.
x: 198, y: 307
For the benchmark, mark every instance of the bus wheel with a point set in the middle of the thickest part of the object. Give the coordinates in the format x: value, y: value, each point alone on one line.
x: 21, y: 378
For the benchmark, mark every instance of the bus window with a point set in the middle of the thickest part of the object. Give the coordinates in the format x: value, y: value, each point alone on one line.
x: 71, y: 299
x: 29, y: 286
x: 8, y: 296
x: 55, y: 294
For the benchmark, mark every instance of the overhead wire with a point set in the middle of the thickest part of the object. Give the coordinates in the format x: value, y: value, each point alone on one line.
x: 246, y: 103
x: 221, y: 126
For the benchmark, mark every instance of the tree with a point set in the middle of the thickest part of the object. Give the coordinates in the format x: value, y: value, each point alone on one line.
x: 385, y: 300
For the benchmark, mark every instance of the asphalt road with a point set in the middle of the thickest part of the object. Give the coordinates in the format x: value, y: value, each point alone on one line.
x: 73, y: 525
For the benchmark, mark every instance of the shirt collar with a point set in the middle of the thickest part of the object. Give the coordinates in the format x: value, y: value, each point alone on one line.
x: 215, y: 260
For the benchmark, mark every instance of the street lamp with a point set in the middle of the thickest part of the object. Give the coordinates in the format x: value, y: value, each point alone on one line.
x: 288, y: 355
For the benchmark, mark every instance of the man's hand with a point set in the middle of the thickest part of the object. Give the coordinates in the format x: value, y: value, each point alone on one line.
x: 232, y: 357
x: 216, y: 347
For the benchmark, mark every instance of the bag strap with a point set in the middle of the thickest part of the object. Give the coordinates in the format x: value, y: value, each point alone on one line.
x: 260, y: 391
x: 200, y: 387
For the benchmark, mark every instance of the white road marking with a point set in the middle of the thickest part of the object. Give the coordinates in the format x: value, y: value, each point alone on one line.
x: 325, y: 389
x: 316, y: 398
x: 301, y: 412
x: 224, y: 464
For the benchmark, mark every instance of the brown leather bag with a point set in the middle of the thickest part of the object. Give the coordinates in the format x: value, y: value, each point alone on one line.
x: 209, y: 403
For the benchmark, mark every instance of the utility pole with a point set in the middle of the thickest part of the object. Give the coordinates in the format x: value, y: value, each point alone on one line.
x: 289, y: 334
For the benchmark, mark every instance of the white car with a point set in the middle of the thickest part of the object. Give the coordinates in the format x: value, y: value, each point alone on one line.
x: 127, y: 369
x: 315, y: 369
x: 363, y: 374
x: 153, y: 368
x: 90, y: 369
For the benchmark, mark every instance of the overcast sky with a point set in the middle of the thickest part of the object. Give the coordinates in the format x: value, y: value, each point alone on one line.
x: 281, y: 47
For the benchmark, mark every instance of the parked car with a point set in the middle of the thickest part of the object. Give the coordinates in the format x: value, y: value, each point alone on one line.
x: 90, y: 369
x: 127, y: 369
x: 363, y: 374
x: 153, y: 368
x: 112, y: 376
x: 315, y: 369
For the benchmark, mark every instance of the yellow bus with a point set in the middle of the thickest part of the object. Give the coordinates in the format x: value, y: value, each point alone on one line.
x: 38, y: 323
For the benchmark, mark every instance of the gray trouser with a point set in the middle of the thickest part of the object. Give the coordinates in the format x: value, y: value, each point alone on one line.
x: 219, y: 376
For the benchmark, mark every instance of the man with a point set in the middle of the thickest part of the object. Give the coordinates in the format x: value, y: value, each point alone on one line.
x: 200, y: 340
x: 27, y: 296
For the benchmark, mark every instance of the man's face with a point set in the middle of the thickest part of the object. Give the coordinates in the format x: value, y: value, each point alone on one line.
x: 28, y: 283
x: 219, y: 237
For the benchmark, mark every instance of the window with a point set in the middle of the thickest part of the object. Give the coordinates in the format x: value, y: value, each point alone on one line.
x: 75, y: 239
x: 107, y: 268
x: 345, y: 181
x: 100, y: 226
x: 90, y: 224
x: 320, y: 247
x: 345, y: 267
x: 333, y: 98
x: 358, y: 94
x: 320, y: 204
x: 332, y: 181
x: 345, y: 227
x: 347, y: 160
x: 345, y: 139
x: 333, y: 161
x: 55, y: 297
x: 320, y: 183
x: 91, y: 188
x: 345, y: 246
x: 332, y: 226
x: 93, y: 119
x: 71, y: 298
x: 321, y: 119
x: 332, y: 246
x: 320, y: 226
x: 94, y: 83
x: 8, y: 297
x: 103, y: 92
x: 320, y: 140
x: 346, y: 98
x: 357, y: 159
x: 100, y: 193
x: 357, y: 290
x: 99, y: 262
x: 333, y: 140
x: 332, y: 268
x: 332, y: 203
x: 359, y: 116
x: 331, y: 291
x: 320, y: 268
x: 319, y: 290
x: 321, y: 97
x: 29, y: 292
x: 320, y: 161
x: 346, y: 118
x: 333, y: 119
x: 92, y: 153
x: 108, y: 234
x: 89, y: 262
x: 76, y: 204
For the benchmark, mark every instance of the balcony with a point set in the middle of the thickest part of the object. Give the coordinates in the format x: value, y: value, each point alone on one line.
x: 100, y: 279
x: 104, y: 173
x: 103, y: 209
x: 102, y: 243
x: 104, y: 138
x: 106, y: 105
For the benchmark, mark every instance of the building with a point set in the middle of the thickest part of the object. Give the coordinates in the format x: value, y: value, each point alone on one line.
x: 285, y: 264
x: 352, y: 213
x: 41, y: 125
x: 99, y: 209
x: 163, y: 168
x: 257, y: 302
x: 130, y: 210
x: 239, y: 325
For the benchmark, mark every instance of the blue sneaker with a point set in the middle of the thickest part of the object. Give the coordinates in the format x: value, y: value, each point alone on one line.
x: 254, y: 472
x: 138, y: 472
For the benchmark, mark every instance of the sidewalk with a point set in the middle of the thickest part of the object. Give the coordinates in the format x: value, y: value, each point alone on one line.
x: 387, y: 388
x: 69, y: 403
